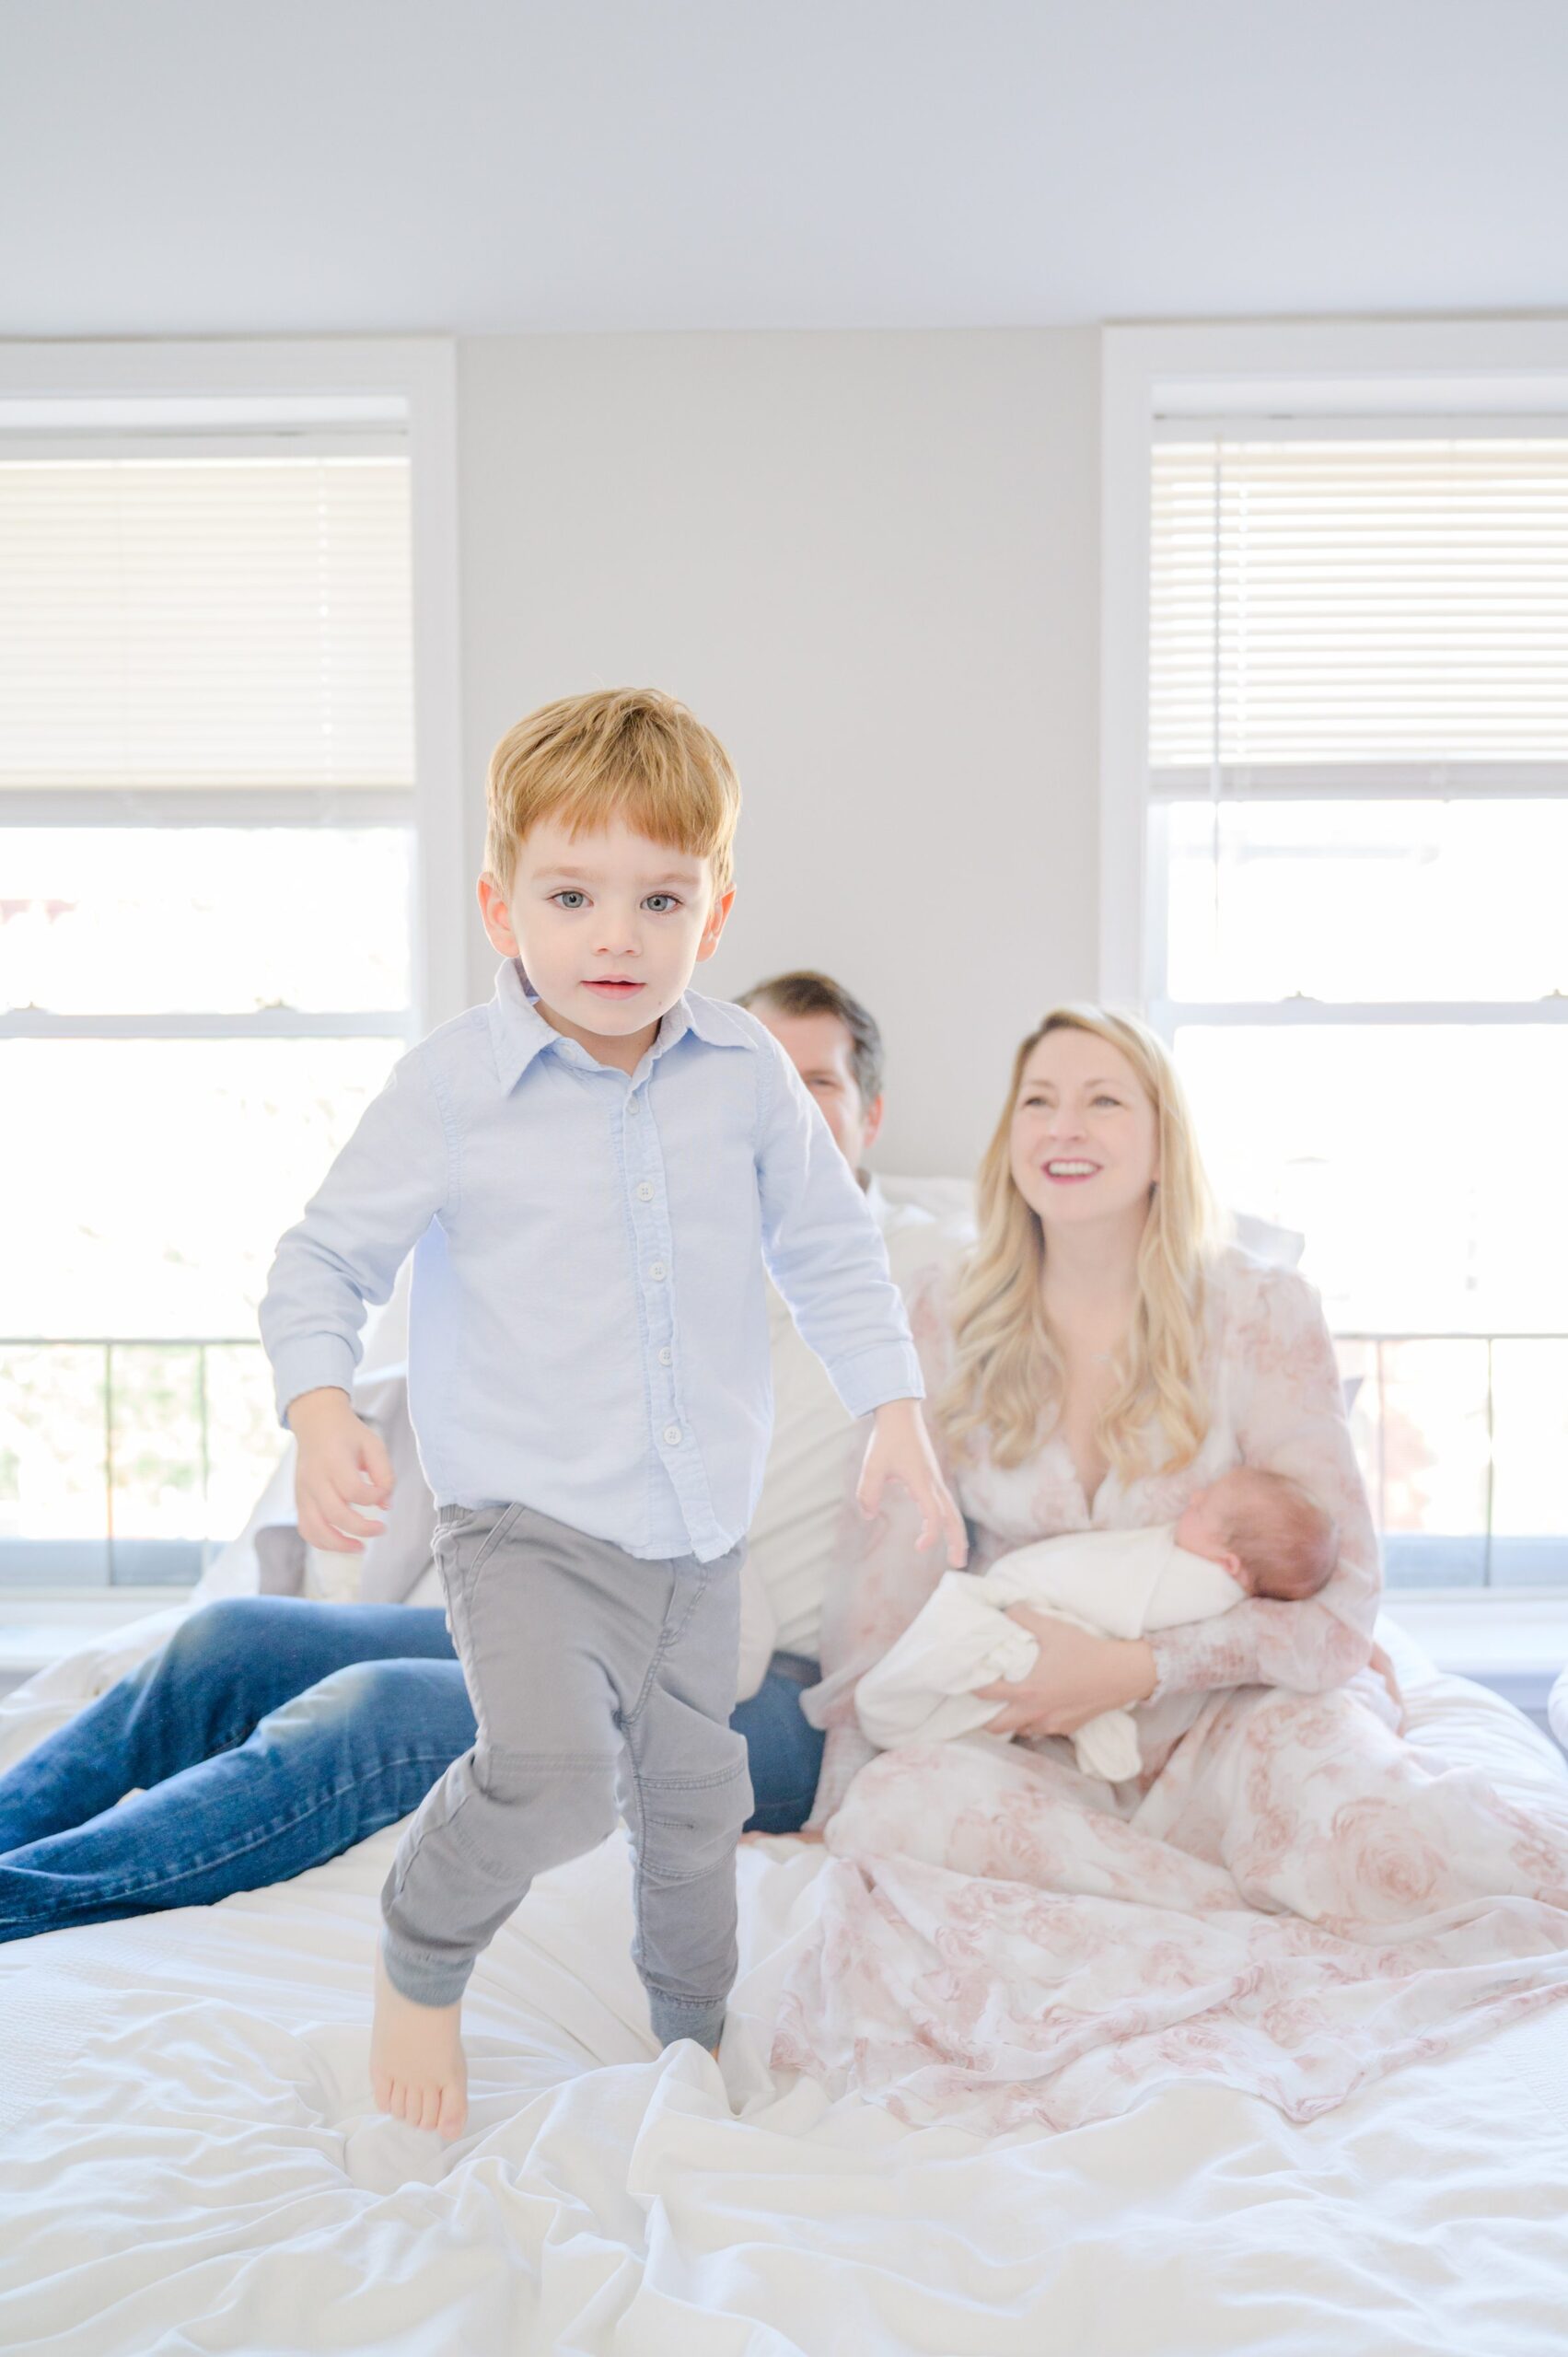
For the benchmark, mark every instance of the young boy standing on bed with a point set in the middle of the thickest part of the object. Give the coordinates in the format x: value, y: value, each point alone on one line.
x: 592, y: 1171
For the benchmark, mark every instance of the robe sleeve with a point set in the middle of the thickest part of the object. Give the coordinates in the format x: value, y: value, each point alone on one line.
x: 1290, y: 1418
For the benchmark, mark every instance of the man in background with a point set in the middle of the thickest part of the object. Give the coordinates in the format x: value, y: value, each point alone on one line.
x: 807, y: 1490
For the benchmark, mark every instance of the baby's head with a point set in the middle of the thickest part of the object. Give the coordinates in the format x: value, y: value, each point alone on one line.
x: 608, y: 854
x: 1265, y: 1531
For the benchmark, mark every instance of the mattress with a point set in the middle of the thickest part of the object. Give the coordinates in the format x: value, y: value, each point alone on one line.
x: 190, y: 2162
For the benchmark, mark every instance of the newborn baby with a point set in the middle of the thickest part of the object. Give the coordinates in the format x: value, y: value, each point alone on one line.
x: 1249, y: 1533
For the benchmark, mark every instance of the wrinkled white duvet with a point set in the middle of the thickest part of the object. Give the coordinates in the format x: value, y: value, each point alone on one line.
x: 188, y: 2162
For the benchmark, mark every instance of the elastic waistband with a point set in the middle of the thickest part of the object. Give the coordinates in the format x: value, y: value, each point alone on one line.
x: 492, y: 1509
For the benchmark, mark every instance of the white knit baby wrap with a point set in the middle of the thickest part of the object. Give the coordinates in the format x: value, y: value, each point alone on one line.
x: 1111, y: 1582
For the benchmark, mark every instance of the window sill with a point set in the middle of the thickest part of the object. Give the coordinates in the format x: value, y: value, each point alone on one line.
x: 1516, y: 1645
x: 39, y: 1629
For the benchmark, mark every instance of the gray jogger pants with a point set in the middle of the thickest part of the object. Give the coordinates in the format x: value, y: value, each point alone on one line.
x: 597, y: 1680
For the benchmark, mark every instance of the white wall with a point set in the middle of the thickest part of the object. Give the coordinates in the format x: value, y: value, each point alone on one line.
x: 870, y: 564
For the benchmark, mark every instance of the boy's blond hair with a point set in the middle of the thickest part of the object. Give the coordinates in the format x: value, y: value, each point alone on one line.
x: 628, y: 753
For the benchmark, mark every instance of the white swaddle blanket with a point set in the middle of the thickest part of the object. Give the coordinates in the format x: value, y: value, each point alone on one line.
x: 1111, y: 1582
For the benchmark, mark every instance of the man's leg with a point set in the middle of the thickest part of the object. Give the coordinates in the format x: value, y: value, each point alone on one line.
x: 220, y: 1673
x: 333, y: 1766
x: 785, y: 1749
x: 354, y: 1751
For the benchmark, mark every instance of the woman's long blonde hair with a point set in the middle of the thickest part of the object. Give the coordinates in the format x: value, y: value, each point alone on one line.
x: 1007, y: 1368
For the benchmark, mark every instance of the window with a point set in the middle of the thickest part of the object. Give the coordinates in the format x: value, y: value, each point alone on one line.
x: 209, y: 868
x: 1357, y: 836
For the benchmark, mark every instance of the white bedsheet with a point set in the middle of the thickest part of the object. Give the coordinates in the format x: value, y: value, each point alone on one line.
x: 188, y: 2161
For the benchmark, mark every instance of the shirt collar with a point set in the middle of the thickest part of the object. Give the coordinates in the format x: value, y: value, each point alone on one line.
x: 519, y: 1032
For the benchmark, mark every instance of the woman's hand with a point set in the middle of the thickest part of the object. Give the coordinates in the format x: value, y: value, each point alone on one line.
x: 1074, y: 1677
x: 1381, y: 1667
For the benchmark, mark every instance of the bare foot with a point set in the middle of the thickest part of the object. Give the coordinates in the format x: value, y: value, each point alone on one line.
x: 417, y: 2071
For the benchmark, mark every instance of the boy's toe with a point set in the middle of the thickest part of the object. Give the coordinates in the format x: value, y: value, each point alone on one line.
x: 453, y: 2114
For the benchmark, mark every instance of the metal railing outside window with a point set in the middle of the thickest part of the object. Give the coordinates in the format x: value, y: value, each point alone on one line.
x: 127, y: 1462
x: 1460, y: 1438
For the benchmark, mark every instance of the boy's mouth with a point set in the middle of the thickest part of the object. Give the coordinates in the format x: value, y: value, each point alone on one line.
x: 615, y: 987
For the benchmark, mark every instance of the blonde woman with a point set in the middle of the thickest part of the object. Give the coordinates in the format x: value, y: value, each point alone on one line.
x: 1004, y: 1938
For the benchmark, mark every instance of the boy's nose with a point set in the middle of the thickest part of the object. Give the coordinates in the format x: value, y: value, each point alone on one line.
x: 618, y: 939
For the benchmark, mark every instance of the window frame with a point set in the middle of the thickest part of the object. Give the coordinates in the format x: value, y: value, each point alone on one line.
x: 1279, y: 379
x: 342, y: 389
x: 290, y: 398
x: 1277, y: 375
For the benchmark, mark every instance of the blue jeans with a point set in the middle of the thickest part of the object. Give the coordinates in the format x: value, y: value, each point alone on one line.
x: 269, y: 1735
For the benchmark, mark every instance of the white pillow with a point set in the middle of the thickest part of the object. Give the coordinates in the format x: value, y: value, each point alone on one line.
x: 269, y: 1556
x: 1282, y: 1248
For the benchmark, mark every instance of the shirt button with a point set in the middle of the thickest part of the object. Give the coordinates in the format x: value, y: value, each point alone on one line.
x: 666, y: 1355
x: 644, y: 1193
x: 672, y: 1435
x: 656, y: 1272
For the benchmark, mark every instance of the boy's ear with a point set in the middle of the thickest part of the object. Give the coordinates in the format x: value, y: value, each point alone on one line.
x: 714, y: 925
x: 496, y: 918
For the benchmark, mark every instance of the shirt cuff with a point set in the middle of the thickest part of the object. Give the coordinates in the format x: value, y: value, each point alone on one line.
x: 870, y: 1378
x: 1165, y: 1664
x: 325, y: 1362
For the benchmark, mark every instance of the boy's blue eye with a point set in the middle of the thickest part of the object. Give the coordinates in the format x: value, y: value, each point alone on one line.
x: 570, y: 899
x: 668, y: 900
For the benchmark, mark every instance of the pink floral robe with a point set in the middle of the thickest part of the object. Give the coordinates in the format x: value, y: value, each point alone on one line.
x: 1290, y: 1899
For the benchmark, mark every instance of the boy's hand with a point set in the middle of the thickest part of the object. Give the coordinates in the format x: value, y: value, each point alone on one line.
x: 899, y: 1450
x: 342, y: 1468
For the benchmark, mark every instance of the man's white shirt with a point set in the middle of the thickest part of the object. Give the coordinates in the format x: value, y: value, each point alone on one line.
x: 814, y: 1462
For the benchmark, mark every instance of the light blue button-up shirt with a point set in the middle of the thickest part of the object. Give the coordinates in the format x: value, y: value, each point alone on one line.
x: 587, y: 1317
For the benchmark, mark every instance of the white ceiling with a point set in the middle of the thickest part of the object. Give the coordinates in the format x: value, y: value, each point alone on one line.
x: 205, y: 167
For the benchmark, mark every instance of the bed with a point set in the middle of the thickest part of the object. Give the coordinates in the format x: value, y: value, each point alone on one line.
x: 189, y: 2161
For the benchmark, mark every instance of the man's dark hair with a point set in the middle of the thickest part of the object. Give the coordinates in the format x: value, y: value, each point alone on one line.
x: 807, y: 992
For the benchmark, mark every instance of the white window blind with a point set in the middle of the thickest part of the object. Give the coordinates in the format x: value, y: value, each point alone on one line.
x: 227, y: 623
x: 1386, y: 615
